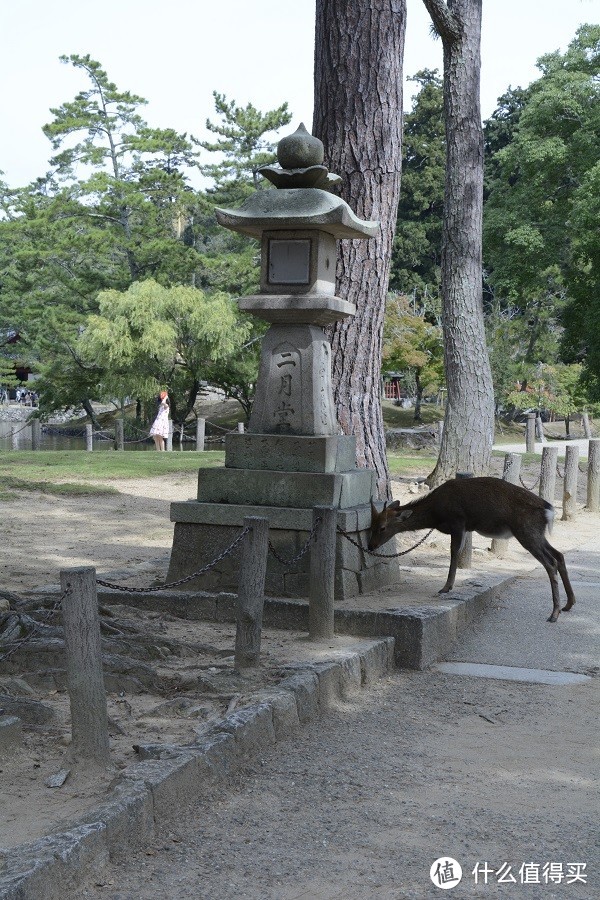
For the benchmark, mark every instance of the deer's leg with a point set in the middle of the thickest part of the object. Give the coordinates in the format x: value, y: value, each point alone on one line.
x: 562, y: 569
x: 544, y: 554
x: 456, y: 541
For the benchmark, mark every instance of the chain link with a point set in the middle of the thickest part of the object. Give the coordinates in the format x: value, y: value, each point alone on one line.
x: 303, y: 551
x: 171, y: 584
x: 534, y: 485
x: 383, y: 555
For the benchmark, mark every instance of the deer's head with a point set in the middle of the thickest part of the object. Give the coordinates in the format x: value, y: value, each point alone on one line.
x: 385, y: 524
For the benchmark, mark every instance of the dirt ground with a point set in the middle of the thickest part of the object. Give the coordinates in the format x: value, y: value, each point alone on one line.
x: 127, y: 537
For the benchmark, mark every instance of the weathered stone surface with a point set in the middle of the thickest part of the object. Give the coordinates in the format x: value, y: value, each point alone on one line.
x: 197, y: 544
x: 11, y: 733
x: 312, y: 208
x: 279, y: 517
x: 295, y: 489
x: 291, y: 453
x: 293, y: 393
x: 297, y: 309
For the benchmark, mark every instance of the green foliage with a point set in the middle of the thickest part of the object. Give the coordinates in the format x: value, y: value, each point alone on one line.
x: 243, y: 146
x: 543, y: 149
x: 150, y: 338
x: 413, y: 345
x: 417, y: 244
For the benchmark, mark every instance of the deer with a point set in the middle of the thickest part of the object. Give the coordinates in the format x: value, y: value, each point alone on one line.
x: 490, y: 506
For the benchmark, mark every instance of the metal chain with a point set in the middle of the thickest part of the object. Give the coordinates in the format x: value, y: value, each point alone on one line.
x: 50, y: 612
x: 558, y: 472
x: 534, y: 485
x: 383, y: 555
x: 303, y: 551
x: 165, y: 587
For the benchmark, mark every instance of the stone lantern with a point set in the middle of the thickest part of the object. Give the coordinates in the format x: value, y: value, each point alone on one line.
x: 294, y: 456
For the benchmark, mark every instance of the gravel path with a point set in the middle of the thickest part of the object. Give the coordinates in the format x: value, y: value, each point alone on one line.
x: 360, y: 804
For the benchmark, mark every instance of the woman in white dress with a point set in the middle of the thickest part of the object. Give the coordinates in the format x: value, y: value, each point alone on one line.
x: 160, y: 426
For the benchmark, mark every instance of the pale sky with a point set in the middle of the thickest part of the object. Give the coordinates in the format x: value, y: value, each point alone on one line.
x: 260, y: 51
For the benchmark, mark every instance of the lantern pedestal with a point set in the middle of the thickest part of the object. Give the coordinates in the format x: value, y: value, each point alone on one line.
x: 294, y: 457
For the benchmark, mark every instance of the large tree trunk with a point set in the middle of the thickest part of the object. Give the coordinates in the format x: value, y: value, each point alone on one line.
x: 469, y: 422
x: 359, y: 47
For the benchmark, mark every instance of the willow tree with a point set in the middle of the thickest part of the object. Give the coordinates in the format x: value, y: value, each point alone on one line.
x: 469, y: 420
x: 359, y: 47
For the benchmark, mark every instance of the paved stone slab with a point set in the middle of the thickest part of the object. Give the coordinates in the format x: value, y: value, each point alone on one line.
x: 511, y: 673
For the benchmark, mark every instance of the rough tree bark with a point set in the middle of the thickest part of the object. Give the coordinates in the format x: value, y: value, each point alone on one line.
x: 469, y: 420
x: 359, y: 47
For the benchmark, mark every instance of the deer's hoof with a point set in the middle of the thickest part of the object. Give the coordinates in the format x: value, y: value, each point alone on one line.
x: 568, y: 607
x: 553, y: 618
x: 444, y: 590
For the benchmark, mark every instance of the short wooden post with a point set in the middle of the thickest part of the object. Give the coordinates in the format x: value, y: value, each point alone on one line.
x: 169, y: 441
x: 585, y: 421
x: 85, y: 681
x: 530, y: 433
x: 322, y: 575
x: 89, y: 437
x: 570, y: 483
x: 200, y: 433
x: 512, y: 470
x: 251, y: 593
x: 465, y: 555
x: 548, y: 473
x: 120, y: 434
x: 240, y: 427
x: 14, y: 440
x: 593, y: 479
x: 36, y: 434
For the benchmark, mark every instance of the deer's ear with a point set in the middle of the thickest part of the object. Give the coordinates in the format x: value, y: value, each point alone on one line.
x: 373, y: 510
x: 394, y: 505
x: 405, y: 514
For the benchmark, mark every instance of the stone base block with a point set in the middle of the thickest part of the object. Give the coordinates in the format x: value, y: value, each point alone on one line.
x: 204, y: 530
x: 288, y: 489
x: 291, y: 453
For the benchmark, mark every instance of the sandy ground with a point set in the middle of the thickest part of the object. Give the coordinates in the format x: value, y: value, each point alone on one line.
x: 127, y: 537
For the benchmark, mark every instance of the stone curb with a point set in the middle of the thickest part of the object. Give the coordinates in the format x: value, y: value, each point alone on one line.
x: 169, y: 776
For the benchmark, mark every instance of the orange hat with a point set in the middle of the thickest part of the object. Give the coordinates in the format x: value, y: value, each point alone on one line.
x: 163, y: 394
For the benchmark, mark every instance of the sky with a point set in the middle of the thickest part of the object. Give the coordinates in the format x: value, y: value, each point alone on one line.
x: 260, y: 51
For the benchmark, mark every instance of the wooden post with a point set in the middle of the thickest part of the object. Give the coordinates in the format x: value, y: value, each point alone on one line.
x: 85, y: 681
x: 120, y: 434
x: 512, y: 470
x: 548, y: 473
x: 539, y: 427
x: 14, y: 440
x: 240, y: 427
x: 200, y: 433
x: 530, y: 433
x: 89, y: 437
x: 36, y: 434
x: 593, y: 480
x: 440, y: 431
x: 170, y: 437
x: 465, y: 555
x: 585, y: 421
x: 570, y: 483
x: 322, y: 575
x: 251, y: 593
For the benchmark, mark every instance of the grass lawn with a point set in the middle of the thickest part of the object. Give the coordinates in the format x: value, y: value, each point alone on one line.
x: 45, y: 470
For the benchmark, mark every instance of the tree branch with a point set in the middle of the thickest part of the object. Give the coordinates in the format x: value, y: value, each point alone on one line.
x: 445, y: 23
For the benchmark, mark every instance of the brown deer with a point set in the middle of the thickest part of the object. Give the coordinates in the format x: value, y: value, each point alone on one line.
x: 494, y: 508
